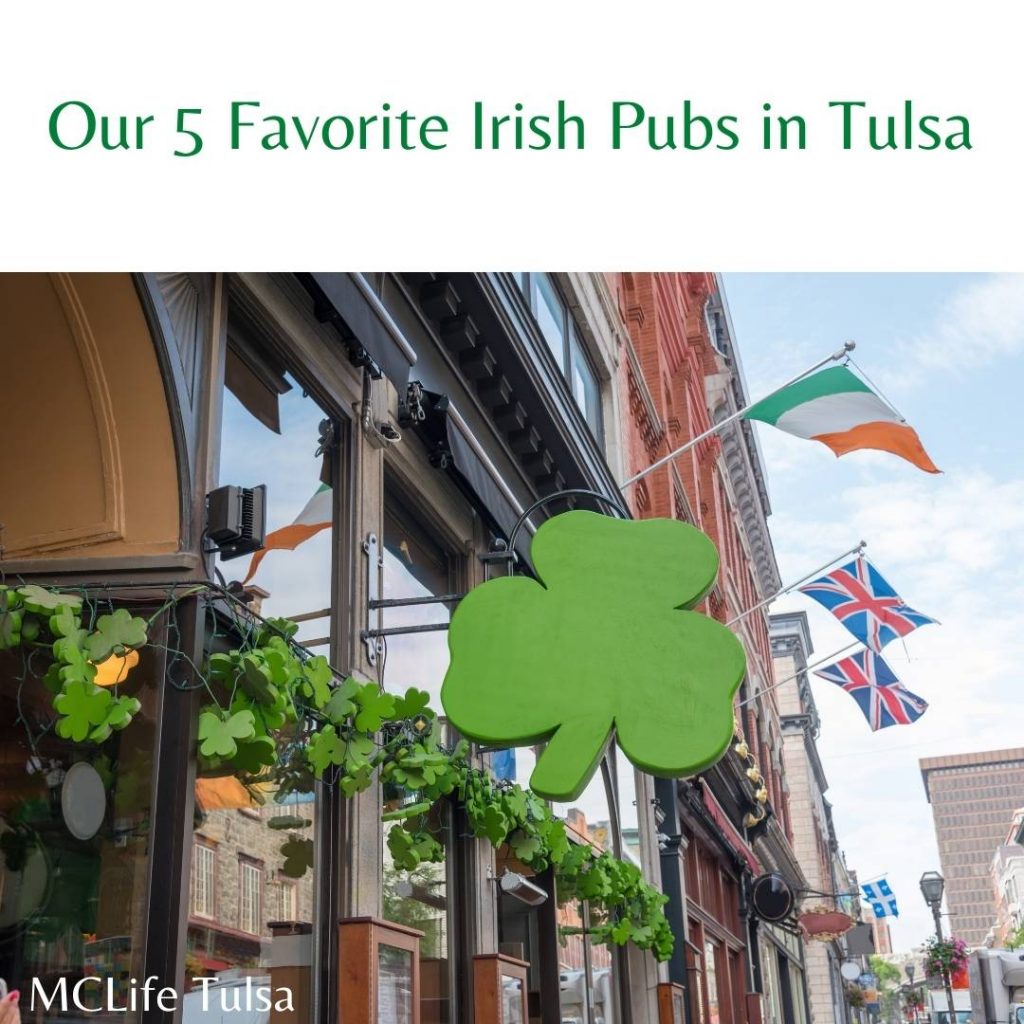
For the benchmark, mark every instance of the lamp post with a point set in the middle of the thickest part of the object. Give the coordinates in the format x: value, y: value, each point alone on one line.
x: 912, y: 995
x: 932, y: 887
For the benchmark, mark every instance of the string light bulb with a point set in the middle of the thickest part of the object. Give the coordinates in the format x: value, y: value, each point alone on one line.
x: 115, y: 669
x: 755, y: 776
x: 761, y: 796
x: 742, y: 749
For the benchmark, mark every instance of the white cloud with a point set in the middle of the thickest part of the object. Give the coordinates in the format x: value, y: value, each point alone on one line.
x: 980, y: 323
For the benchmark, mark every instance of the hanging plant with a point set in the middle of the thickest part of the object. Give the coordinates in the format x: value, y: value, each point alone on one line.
x: 42, y: 619
x: 944, y: 956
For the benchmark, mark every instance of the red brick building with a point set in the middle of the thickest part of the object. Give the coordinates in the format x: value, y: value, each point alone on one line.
x: 678, y: 376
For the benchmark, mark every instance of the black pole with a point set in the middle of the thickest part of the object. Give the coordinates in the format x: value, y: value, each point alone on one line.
x: 937, y: 914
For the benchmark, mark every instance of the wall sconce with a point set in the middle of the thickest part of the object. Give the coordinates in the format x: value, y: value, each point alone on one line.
x: 521, y: 888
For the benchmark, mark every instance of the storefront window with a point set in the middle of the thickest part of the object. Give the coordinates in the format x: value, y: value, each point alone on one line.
x: 589, y: 819
x: 252, y: 905
x: 711, y: 980
x: 74, y: 841
x: 770, y: 983
x: 416, y: 565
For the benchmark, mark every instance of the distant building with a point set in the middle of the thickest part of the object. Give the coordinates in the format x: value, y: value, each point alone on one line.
x: 1008, y: 882
x: 973, y: 796
x: 879, y: 931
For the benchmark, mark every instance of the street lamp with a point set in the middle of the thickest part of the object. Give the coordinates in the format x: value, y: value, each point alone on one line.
x: 911, y: 995
x: 932, y: 887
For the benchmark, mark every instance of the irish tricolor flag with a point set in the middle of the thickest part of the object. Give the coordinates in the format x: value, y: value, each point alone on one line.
x: 838, y: 409
x: 316, y: 516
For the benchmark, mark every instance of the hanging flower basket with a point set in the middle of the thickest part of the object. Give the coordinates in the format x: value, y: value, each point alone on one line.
x: 945, y: 956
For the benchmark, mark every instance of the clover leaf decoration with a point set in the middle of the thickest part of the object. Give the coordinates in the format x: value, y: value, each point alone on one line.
x: 604, y: 642
x: 316, y: 680
x: 46, y: 602
x: 114, y: 634
x: 298, y: 856
x: 220, y: 731
x: 82, y: 706
x: 375, y: 707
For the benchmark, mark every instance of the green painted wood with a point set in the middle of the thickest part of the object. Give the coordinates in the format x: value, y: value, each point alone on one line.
x: 604, y: 645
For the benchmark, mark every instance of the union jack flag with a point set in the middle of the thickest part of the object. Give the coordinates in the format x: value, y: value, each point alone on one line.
x: 865, y: 603
x: 874, y: 686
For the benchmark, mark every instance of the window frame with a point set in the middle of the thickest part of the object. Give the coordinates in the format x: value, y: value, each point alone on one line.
x: 210, y: 849
x: 254, y: 869
x: 530, y: 292
x: 417, y: 510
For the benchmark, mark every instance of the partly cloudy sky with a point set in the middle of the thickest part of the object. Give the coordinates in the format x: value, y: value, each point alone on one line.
x: 948, y: 352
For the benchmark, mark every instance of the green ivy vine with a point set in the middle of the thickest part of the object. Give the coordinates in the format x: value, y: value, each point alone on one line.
x: 276, y: 713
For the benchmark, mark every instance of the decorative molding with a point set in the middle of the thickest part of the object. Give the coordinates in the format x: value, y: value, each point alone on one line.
x: 182, y: 301
x: 111, y: 525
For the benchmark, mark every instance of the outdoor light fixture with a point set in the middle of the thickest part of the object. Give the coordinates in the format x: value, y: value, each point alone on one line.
x: 932, y: 887
x: 516, y: 885
x: 236, y: 519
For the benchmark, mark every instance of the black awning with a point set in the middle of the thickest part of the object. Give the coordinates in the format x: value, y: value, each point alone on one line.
x: 452, y: 449
x: 480, y: 480
x: 363, y: 320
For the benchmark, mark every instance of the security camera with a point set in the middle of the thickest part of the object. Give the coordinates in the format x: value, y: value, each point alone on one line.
x: 514, y: 884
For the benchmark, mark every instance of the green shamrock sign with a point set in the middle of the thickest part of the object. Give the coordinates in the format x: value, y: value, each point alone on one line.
x: 602, y: 643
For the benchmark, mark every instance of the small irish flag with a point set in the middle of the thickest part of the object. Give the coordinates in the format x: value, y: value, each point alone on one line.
x: 838, y: 409
x: 316, y: 516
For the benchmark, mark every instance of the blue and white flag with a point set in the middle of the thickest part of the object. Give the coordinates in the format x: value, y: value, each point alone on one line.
x: 879, y: 895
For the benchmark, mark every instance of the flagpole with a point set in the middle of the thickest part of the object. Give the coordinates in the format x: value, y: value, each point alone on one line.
x: 858, y: 550
x: 835, y: 357
x: 796, y: 675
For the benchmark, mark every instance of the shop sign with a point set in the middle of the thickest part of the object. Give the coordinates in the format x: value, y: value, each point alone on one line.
x: 825, y: 924
x: 604, y: 642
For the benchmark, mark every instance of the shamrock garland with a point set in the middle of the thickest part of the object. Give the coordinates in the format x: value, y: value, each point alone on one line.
x: 277, y: 712
x: 411, y: 758
x: 35, y: 617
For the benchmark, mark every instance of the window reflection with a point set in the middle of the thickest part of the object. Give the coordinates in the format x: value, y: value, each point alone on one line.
x: 563, y: 339
x: 252, y: 905
x: 589, y: 966
x: 417, y: 565
x: 74, y: 833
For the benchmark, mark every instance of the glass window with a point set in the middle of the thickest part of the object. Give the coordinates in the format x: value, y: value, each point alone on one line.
x: 74, y: 838
x: 416, y: 565
x: 287, y: 899
x: 203, y: 861
x: 590, y: 820
x: 584, y: 385
x: 250, y: 896
x: 711, y: 980
x: 550, y: 314
x: 557, y: 327
x: 252, y: 878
